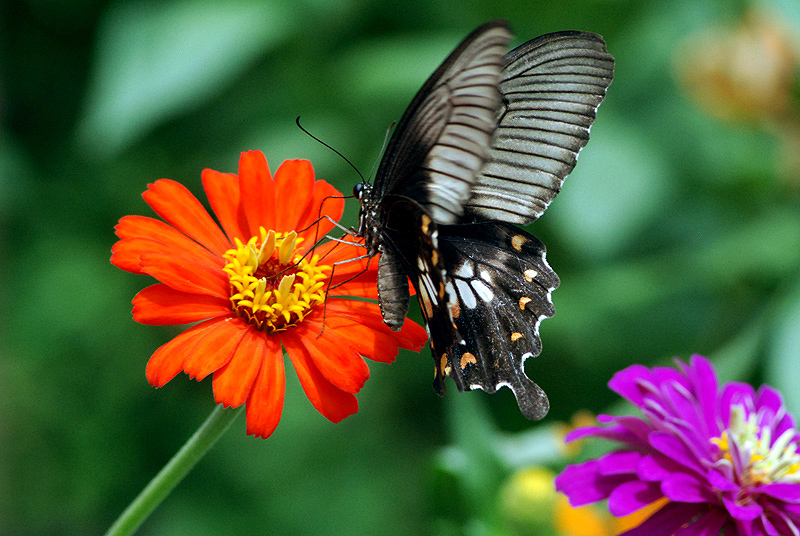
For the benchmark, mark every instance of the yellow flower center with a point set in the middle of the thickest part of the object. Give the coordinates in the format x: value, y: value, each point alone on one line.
x: 271, y: 287
x: 763, y: 461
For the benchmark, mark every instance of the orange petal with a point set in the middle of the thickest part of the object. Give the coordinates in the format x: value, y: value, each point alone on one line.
x: 330, y: 201
x: 358, y: 288
x: 222, y: 190
x: 347, y: 282
x: 234, y: 381
x: 215, y: 348
x: 346, y: 248
x: 355, y: 274
x: 159, y: 305
x: 265, y: 404
x: 353, y: 266
x: 258, y: 192
x: 411, y: 336
x: 177, y: 206
x: 333, y: 403
x: 324, y: 201
x: 346, y: 332
x: 167, y: 361
x: 339, y: 363
x: 370, y: 338
x: 128, y: 253
x: 139, y: 234
x: 294, y: 186
x: 125, y: 256
x: 181, y: 275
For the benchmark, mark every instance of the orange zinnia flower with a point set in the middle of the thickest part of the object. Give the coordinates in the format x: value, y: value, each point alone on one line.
x: 255, y: 288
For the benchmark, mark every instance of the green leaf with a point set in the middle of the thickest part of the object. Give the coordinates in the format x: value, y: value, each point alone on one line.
x: 781, y: 369
x: 619, y: 184
x: 156, y: 60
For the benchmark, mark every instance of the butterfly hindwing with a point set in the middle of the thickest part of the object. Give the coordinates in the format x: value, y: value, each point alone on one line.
x: 410, y: 236
x: 483, y: 290
x: 498, y: 292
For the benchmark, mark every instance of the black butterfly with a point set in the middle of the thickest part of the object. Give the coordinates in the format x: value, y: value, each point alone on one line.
x: 486, y: 143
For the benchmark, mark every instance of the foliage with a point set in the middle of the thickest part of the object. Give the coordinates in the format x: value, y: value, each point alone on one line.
x: 678, y: 233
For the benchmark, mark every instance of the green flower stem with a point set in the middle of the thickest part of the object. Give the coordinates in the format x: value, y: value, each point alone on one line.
x: 178, y: 467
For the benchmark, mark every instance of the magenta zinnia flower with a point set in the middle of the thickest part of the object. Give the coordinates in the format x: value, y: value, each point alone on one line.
x: 723, y: 461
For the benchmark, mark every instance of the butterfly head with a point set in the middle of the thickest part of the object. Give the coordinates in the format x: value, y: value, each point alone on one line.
x: 361, y: 191
x: 368, y: 217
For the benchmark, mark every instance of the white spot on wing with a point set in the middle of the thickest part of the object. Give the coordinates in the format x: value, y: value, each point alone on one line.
x: 482, y: 290
x: 451, y: 292
x: 464, y: 271
x: 467, y: 296
x: 427, y: 283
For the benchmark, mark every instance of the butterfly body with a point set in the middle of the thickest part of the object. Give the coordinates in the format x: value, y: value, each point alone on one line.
x: 485, y: 144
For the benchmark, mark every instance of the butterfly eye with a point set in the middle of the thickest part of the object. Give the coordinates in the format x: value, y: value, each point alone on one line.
x: 358, y: 189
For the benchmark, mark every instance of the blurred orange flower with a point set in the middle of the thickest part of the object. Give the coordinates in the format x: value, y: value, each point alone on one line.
x: 255, y: 287
x: 743, y: 72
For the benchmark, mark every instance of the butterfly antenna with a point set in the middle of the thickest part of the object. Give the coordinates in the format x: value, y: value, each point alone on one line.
x: 383, y: 147
x: 313, y: 137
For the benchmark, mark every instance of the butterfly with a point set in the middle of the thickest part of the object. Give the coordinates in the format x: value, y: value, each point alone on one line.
x: 485, y: 144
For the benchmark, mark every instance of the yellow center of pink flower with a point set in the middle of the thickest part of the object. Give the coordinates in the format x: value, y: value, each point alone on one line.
x: 271, y: 286
x: 763, y: 460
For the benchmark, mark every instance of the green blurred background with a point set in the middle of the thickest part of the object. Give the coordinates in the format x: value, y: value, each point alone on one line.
x: 678, y: 233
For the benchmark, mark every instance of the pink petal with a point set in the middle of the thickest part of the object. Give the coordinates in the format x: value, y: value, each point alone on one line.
x: 675, y: 450
x: 626, y: 383
x: 721, y: 478
x: 655, y: 468
x: 706, y: 389
x: 742, y: 512
x: 583, y: 484
x: 708, y: 524
x: 666, y: 521
x: 631, y: 496
x: 782, y: 491
x: 622, y: 462
x: 680, y: 487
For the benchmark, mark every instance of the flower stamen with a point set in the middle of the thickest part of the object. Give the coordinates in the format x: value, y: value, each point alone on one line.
x: 763, y: 461
x: 272, y: 287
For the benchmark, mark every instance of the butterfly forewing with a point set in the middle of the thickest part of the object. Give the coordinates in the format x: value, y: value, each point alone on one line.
x: 442, y: 141
x: 551, y: 87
